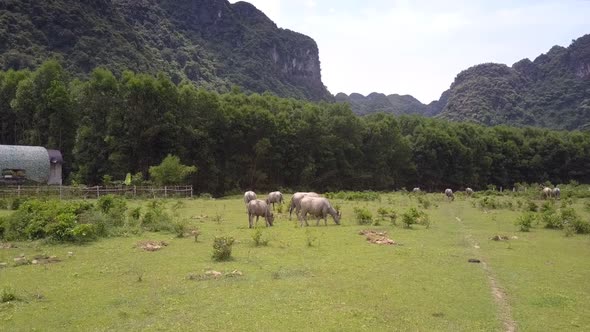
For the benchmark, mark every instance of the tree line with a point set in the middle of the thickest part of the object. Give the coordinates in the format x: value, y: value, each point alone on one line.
x: 110, y: 126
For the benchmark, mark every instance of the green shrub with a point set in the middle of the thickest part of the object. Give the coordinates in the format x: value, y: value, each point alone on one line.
x: 156, y: 219
x: 179, y: 227
x: 36, y: 219
x: 222, y: 247
x: 547, y: 206
x: 114, y: 207
x: 551, y: 220
x: 4, y: 204
x: 573, y: 221
x: 354, y: 195
x: 415, y: 216
x: 425, y: 202
x: 258, y: 240
x: 387, y: 213
x: 16, y: 203
x: 532, y: 206
x: 7, y: 295
x: 206, y: 196
x: 84, y: 233
x: 525, y: 221
x: 363, y: 216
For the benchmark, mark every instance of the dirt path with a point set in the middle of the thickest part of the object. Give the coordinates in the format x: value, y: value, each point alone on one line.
x: 498, y: 293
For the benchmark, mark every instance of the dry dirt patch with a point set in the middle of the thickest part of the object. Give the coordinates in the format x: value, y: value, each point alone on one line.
x: 149, y: 245
x: 377, y: 237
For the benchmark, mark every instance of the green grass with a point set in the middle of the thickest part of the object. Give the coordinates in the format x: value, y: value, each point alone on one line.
x: 341, y: 283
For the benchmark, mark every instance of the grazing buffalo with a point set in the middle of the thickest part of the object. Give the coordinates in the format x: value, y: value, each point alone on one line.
x: 259, y: 208
x: 449, y: 194
x: 275, y: 197
x: 296, y: 202
x: 546, y: 192
x: 416, y: 190
x: 318, y: 207
x: 469, y: 192
x: 248, y: 196
x: 556, y: 193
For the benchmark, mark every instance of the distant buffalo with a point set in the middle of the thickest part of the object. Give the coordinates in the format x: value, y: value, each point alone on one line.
x: 556, y: 193
x: 259, y: 208
x: 546, y: 192
x: 449, y: 194
x: 296, y: 202
x: 416, y: 190
x: 318, y: 207
x: 469, y: 192
x: 275, y: 197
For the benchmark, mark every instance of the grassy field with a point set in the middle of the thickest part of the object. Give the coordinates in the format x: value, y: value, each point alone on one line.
x: 538, y: 281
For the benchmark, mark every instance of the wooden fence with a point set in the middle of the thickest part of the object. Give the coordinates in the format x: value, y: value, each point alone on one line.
x: 68, y: 192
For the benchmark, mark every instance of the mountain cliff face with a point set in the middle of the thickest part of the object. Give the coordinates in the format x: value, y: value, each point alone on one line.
x: 210, y: 42
x: 552, y: 91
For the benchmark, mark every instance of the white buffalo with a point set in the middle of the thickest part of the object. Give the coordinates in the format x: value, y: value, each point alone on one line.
x: 258, y: 208
x: 546, y: 192
x: 449, y: 194
x: 296, y: 202
x: 248, y: 196
x: 469, y: 191
x: 556, y: 193
x: 275, y: 197
x: 318, y: 207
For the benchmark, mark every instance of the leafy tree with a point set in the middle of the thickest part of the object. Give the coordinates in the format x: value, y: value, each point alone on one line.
x: 171, y: 171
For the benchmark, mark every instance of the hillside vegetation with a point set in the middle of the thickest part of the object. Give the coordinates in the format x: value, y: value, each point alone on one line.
x: 113, y: 126
x: 212, y: 43
x: 552, y: 91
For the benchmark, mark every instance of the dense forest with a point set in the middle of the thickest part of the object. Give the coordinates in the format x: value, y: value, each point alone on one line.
x: 211, y: 43
x: 552, y: 91
x: 111, y: 125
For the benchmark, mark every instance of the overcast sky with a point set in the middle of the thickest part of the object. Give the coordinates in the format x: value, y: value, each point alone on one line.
x: 418, y: 47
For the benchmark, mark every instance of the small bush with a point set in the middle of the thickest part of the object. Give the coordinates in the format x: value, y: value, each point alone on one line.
x: 280, y: 208
x: 310, y: 238
x: 425, y: 202
x: 179, y: 228
x: 571, y: 219
x: 258, y: 240
x: 354, y: 195
x: 387, y: 213
x: 551, y: 220
x: 363, y: 216
x: 525, y: 221
x: 532, y: 206
x: 415, y: 216
x: 547, y: 206
x: 7, y: 295
x: 222, y: 247
x: 206, y: 196
x: 156, y: 219
x: 16, y: 203
x: 4, y: 204
x: 84, y: 233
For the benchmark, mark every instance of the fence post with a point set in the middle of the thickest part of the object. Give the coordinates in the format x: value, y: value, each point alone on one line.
x: 165, y: 191
x: 97, y: 192
x: 18, y: 190
x: 191, y: 191
x: 134, y: 191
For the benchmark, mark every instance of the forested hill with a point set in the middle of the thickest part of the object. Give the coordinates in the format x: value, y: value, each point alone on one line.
x: 394, y: 103
x: 552, y: 91
x: 211, y: 42
x: 109, y: 126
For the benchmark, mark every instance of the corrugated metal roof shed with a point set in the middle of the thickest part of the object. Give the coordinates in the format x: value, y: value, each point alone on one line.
x: 34, y: 160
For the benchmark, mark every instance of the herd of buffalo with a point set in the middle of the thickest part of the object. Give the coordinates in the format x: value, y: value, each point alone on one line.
x: 304, y: 203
